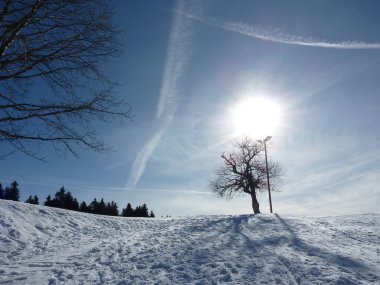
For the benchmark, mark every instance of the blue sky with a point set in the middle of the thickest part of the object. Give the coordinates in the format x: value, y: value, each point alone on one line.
x: 187, y: 63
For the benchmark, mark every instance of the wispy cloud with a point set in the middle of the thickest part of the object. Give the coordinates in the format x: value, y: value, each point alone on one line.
x: 338, y: 176
x: 277, y: 36
x: 142, y: 158
x: 176, y: 58
x: 361, y: 195
x: 105, y: 189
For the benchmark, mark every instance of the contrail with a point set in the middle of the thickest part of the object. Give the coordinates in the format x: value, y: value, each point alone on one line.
x: 176, y: 58
x: 142, y: 158
x: 280, y: 37
x: 107, y: 189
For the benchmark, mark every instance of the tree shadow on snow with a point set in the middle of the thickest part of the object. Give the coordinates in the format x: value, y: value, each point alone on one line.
x: 312, y: 250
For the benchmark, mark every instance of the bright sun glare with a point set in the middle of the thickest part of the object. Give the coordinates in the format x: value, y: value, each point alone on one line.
x: 256, y: 117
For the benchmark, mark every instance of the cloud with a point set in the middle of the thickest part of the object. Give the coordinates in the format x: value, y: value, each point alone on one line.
x: 176, y: 58
x: 142, y: 158
x: 280, y: 37
x: 338, y: 176
x: 361, y: 195
x: 85, y: 187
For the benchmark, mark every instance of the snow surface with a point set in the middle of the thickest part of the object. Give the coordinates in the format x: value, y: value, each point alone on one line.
x: 42, y: 245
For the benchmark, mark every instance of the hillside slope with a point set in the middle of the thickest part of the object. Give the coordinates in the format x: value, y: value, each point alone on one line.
x: 41, y: 245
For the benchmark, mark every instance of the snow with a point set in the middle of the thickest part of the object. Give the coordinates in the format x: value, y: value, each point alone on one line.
x: 42, y: 245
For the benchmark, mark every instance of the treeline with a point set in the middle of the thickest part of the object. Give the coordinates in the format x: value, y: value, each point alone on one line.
x: 10, y: 193
x: 64, y: 199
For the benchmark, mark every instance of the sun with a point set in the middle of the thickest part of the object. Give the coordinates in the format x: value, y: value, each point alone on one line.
x: 256, y: 117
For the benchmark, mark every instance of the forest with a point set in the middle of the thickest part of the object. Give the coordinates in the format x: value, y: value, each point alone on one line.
x: 65, y: 200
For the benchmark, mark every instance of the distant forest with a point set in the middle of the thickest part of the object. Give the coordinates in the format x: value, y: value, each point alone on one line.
x: 64, y: 199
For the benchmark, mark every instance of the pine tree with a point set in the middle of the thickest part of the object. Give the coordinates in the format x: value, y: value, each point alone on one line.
x: 136, y: 212
x: 48, y: 201
x: 112, y: 209
x: 69, y: 202
x: 115, y: 208
x: 64, y: 200
x: 2, y: 194
x: 141, y: 211
x: 83, y: 207
x: 32, y: 200
x: 13, y: 193
x: 151, y: 214
x: 7, y: 193
x: 102, y: 207
x: 36, y: 200
x: 144, y: 211
x: 93, y: 207
x: 59, y: 199
x: 75, y: 205
x: 128, y: 211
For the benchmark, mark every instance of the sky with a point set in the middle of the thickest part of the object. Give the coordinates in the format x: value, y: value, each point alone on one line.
x: 185, y: 67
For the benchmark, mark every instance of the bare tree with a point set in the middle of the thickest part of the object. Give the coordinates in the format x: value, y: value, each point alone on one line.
x: 60, y: 45
x: 244, y: 171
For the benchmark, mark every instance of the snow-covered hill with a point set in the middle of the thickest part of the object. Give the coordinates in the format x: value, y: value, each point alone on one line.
x: 41, y: 245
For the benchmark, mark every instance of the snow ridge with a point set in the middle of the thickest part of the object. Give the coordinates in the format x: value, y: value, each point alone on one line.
x: 42, y: 245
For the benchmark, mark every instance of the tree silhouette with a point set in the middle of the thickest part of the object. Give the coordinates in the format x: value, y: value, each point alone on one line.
x: 244, y: 170
x: 32, y: 200
x: 63, y: 199
x: 93, y: 207
x: 70, y: 203
x: 12, y: 192
x: 111, y: 209
x: 59, y: 198
x: 2, y: 194
x: 128, y: 211
x: 101, y: 210
x: 83, y: 207
x: 141, y: 211
x: 48, y: 201
x: 62, y: 45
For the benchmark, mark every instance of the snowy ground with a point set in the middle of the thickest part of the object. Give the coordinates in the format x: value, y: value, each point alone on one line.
x: 41, y: 245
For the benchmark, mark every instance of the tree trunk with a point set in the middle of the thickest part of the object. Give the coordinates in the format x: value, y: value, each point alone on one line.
x: 255, y: 203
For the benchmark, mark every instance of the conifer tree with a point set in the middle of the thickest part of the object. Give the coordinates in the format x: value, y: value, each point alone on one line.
x: 32, y: 200
x: 151, y: 214
x: 69, y: 202
x: 83, y: 207
x: 7, y: 193
x: 93, y: 207
x: 128, y: 211
x: 59, y: 199
x: 1, y: 192
x: 144, y: 211
x: 48, y: 201
x: 101, y: 207
x: 12, y: 193
x: 64, y: 200
x: 75, y: 205
x: 112, y: 209
x: 36, y: 200
x: 141, y: 211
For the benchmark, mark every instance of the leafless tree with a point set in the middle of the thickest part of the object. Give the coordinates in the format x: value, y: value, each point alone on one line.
x: 61, y: 47
x: 244, y: 171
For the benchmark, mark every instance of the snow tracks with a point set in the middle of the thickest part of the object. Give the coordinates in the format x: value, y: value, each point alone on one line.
x: 40, y: 245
